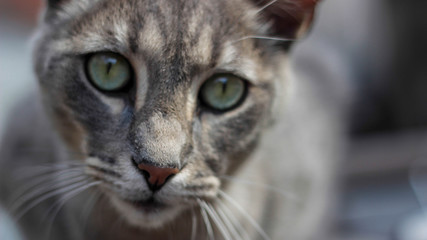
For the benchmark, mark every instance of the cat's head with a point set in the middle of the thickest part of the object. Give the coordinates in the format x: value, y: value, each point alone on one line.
x: 159, y: 98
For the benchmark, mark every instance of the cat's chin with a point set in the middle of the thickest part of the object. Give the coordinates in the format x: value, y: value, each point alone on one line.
x: 146, y: 214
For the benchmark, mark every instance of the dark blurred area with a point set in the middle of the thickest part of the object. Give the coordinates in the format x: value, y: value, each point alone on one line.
x: 394, y: 98
x: 385, y: 188
x: 382, y: 44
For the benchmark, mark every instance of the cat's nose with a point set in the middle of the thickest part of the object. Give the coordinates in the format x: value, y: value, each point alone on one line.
x: 155, y: 176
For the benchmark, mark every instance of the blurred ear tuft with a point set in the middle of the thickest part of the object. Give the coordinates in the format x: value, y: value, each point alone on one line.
x: 289, y: 18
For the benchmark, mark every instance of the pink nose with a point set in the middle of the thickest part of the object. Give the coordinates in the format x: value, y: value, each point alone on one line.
x: 156, y: 177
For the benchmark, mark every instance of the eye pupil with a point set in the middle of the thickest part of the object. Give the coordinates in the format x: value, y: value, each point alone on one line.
x: 108, y: 71
x: 223, y: 92
x: 109, y: 65
x: 224, y: 84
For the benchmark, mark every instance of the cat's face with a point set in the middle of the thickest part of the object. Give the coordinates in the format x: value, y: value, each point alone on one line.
x: 158, y: 98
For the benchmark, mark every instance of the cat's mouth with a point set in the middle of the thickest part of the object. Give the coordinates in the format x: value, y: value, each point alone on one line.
x: 150, y: 205
x: 146, y: 213
x: 153, y: 209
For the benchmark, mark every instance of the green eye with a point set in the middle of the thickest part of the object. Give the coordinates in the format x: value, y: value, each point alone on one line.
x: 108, y: 71
x: 223, y: 92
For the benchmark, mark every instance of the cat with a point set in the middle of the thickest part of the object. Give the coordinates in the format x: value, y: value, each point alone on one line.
x: 167, y: 119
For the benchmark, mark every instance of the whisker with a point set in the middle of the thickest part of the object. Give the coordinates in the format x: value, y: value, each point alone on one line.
x: 244, y: 213
x: 238, y: 225
x: 264, y: 38
x: 287, y: 195
x: 48, y: 195
x: 287, y: 9
x: 265, y: 6
x: 86, y: 211
x: 211, y: 211
x: 206, y: 220
x: 231, y: 226
x: 20, y: 200
x: 193, y: 224
x: 45, y: 177
x: 55, y: 208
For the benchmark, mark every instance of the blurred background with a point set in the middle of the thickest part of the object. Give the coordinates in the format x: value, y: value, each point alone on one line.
x: 378, y: 47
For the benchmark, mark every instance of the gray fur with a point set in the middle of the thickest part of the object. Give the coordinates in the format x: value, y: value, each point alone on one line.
x: 173, y: 47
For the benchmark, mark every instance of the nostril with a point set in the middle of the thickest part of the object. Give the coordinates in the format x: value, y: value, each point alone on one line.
x: 156, y: 176
x: 145, y: 174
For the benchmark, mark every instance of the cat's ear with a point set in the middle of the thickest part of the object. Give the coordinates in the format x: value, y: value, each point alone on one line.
x: 54, y: 7
x: 288, y: 18
x: 54, y: 4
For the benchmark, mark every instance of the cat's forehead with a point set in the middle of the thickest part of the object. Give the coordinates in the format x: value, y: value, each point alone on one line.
x: 163, y: 26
